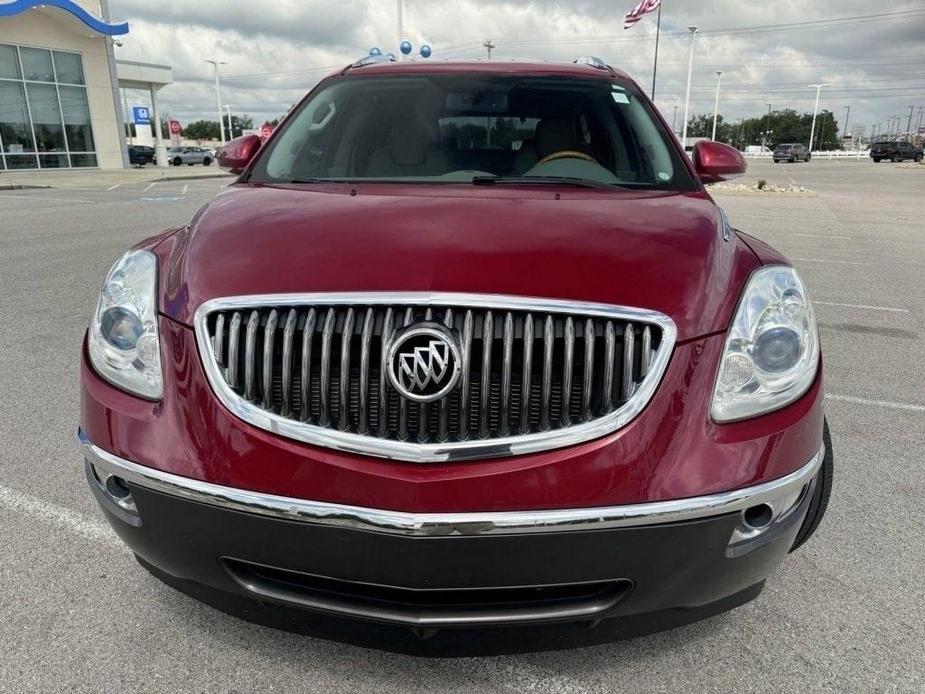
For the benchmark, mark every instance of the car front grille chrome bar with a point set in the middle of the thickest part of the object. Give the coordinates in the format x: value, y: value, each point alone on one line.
x: 534, y: 374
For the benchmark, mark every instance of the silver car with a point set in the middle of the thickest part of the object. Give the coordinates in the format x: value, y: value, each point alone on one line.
x: 189, y: 155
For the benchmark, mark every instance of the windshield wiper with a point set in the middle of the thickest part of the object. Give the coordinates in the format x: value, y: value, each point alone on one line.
x: 543, y: 180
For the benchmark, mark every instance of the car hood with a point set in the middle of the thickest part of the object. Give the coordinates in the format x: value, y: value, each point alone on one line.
x: 655, y: 250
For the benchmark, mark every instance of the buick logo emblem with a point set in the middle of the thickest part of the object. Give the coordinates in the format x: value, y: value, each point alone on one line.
x: 424, y: 362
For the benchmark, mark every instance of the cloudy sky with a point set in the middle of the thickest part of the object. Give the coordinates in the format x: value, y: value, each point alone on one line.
x: 767, y: 51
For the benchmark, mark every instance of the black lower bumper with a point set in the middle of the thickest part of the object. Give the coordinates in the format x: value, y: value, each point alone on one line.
x: 686, y: 568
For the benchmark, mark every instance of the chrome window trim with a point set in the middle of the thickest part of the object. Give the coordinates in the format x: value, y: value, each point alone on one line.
x: 435, y: 452
x: 451, y: 524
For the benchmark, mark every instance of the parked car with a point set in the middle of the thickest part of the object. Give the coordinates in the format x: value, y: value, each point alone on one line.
x: 465, y: 344
x: 895, y: 151
x: 189, y: 156
x: 791, y: 152
x: 139, y: 155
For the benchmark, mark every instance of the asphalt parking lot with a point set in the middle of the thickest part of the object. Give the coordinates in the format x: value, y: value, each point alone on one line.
x: 845, y: 613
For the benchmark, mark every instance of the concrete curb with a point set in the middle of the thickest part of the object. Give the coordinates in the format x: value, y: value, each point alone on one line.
x: 194, y: 177
x: 21, y: 186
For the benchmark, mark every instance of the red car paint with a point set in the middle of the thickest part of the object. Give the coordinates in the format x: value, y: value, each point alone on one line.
x: 657, y: 250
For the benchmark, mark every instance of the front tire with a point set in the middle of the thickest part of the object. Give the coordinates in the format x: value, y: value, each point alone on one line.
x: 206, y: 161
x: 876, y: 160
x: 823, y: 490
x: 177, y: 161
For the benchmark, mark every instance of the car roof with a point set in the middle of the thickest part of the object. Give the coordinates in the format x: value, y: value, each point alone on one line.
x: 485, y: 67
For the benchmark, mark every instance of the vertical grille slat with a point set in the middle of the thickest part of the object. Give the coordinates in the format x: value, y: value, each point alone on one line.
x: 269, y: 337
x: 218, y: 340
x: 466, y: 350
x: 567, y: 369
x: 523, y: 370
x: 326, y: 338
x: 343, y: 382
x: 383, y: 374
x: 506, y: 366
x: 610, y: 349
x: 231, y: 373
x: 548, y: 344
x: 628, y: 339
x: 366, y: 339
x: 443, y: 426
x: 305, y: 370
x: 488, y: 334
x: 288, y: 336
x: 646, y: 350
x: 250, y: 361
x: 588, y: 371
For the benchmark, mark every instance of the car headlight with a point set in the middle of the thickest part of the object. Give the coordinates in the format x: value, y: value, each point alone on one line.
x: 772, y: 350
x: 124, y: 346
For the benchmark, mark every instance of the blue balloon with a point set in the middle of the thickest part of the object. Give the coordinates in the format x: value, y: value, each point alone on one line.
x: 425, y: 51
x: 405, y: 47
x: 375, y: 51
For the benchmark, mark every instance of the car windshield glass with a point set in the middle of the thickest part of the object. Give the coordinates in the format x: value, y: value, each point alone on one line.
x: 456, y: 128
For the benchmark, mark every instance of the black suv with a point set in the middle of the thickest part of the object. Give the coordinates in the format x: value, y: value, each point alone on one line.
x: 791, y: 152
x: 139, y: 155
x: 895, y: 151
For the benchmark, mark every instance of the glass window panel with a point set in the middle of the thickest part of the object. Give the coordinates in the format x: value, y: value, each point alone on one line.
x: 46, y: 117
x: 21, y: 162
x: 36, y: 64
x: 53, y: 161
x: 14, y: 119
x: 77, y: 119
x: 83, y: 160
x: 69, y: 67
x: 9, y: 62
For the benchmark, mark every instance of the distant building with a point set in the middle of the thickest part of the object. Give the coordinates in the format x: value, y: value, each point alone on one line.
x: 59, y: 85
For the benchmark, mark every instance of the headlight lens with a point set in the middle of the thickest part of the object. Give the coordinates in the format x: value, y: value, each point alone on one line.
x: 772, y: 350
x: 124, y: 346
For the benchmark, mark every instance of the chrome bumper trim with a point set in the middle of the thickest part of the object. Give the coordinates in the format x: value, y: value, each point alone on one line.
x: 449, y: 524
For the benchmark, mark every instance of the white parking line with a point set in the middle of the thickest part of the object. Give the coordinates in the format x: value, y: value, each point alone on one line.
x: 114, y: 187
x: 185, y: 188
x: 31, y: 506
x: 44, y: 199
x: 830, y: 262
x: 150, y: 186
x: 876, y: 403
x: 819, y: 236
x: 865, y: 306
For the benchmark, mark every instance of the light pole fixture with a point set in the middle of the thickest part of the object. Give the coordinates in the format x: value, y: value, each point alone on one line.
x: 687, y: 96
x: 812, y: 128
x: 230, y: 129
x: 719, y: 75
x: 218, y: 98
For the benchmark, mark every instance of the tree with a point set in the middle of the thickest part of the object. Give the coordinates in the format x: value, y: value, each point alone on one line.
x: 201, y: 130
x: 782, y: 126
x: 238, y: 124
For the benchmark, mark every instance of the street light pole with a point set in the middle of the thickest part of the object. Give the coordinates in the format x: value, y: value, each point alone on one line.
x: 674, y: 121
x: 812, y: 129
x: 218, y: 98
x: 845, y: 126
x: 401, y: 28
x: 719, y: 75
x: 767, y: 128
x: 687, y: 96
x: 230, y: 129
x: 909, y: 123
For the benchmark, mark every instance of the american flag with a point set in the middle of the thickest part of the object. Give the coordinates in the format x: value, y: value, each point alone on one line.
x: 640, y: 11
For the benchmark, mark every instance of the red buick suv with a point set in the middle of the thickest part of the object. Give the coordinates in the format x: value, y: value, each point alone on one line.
x: 464, y: 345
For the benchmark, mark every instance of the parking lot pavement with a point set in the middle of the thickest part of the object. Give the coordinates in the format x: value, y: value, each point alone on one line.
x: 105, y: 179
x: 843, y: 614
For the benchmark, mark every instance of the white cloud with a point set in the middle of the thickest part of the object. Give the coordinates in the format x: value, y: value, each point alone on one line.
x: 277, y: 51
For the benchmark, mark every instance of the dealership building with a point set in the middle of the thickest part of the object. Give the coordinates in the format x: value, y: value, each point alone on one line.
x: 60, y: 104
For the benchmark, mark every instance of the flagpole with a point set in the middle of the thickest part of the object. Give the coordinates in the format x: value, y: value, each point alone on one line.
x: 658, y: 27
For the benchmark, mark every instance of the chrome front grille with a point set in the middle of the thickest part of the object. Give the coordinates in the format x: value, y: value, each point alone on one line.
x: 535, y: 374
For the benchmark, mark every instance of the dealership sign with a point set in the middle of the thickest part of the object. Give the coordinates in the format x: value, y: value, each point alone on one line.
x: 141, y: 115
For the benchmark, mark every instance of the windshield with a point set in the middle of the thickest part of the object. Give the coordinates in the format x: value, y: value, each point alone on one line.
x: 783, y: 148
x: 471, y: 128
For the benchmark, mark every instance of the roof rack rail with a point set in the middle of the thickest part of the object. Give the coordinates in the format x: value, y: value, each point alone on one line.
x: 594, y: 62
x: 372, y: 59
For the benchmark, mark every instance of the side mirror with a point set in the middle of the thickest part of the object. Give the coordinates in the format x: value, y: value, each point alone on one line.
x: 715, y: 162
x: 237, y: 154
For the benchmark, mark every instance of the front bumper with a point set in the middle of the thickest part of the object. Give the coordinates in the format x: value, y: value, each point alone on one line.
x: 439, y: 570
